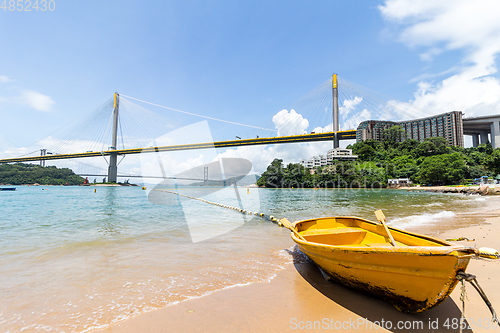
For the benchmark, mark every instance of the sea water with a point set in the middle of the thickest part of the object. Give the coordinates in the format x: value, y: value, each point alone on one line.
x: 82, y: 258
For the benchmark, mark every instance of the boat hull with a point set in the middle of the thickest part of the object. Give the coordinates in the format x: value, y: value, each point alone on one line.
x: 413, y: 278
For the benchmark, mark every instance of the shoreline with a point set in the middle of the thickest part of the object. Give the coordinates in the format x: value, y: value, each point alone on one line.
x: 89, y: 185
x: 299, y: 296
x: 491, y: 189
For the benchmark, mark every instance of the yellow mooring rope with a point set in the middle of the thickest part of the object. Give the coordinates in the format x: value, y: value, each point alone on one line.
x: 245, y: 212
x: 462, y: 277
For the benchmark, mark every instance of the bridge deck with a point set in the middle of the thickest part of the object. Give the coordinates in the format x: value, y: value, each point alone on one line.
x: 343, y: 135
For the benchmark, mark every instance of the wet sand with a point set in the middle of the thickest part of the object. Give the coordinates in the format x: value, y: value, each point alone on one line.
x: 299, y: 298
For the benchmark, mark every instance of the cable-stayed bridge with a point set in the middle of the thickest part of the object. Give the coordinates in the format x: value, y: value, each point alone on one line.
x: 313, y: 137
x: 324, y: 101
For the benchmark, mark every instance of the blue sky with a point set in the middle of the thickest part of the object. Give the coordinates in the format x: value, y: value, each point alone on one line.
x: 242, y: 61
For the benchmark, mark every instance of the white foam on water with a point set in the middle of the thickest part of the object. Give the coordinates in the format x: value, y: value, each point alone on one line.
x: 432, y: 204
x: 419, y: 220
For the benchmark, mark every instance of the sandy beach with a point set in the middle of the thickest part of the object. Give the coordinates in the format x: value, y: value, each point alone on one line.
x: 299, y: 298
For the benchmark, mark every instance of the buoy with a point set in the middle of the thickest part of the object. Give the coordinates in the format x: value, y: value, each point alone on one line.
x: 487, y: 252
x: 261, y: 214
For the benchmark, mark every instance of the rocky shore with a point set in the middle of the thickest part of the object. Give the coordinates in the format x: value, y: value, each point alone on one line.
x: 482, y: 190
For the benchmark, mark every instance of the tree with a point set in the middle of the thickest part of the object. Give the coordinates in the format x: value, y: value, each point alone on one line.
x: 273, y: 176
x: 405, y: 167
x: 442, y: 169
x: 432, y: 146
x: 485, y: 148
x: 392, y: 136
x: 406, y: 147
x: 493, y: 162
x: 366, y: 153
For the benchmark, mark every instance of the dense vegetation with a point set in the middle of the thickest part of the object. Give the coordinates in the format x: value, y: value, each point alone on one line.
x: 431, y: 162
x: 20, y: 173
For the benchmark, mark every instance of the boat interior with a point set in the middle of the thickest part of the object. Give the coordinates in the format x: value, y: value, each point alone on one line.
x: 358, y: 232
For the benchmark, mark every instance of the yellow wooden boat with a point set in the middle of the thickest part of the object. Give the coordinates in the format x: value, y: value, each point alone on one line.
x: 415, y: 273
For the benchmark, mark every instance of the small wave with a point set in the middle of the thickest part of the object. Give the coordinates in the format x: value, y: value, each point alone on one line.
x: 480, y: 199
x: 428, y: 205
x: 418, y: 220
x: 298, y: 257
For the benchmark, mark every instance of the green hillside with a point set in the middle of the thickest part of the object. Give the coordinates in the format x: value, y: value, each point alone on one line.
x: 20, y: 173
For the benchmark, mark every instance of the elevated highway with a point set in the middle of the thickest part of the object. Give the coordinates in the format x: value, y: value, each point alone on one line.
x: 482, y: 126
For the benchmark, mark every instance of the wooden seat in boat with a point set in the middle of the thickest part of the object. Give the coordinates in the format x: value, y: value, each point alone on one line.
x: 335, y: 236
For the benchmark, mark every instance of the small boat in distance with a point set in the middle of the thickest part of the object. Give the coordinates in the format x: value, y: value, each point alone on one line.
x: 412, y: 271
x: 7, y: 188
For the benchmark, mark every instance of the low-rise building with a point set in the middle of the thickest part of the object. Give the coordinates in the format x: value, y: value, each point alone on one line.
x: 399, y: 182
x: 336, y: 154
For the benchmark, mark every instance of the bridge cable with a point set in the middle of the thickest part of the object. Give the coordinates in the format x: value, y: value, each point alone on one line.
x: 197, y: 115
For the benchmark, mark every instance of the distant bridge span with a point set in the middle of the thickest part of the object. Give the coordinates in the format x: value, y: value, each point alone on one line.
x: 328, y: 136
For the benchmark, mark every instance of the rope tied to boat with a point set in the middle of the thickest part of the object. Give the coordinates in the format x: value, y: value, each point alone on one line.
x: 460, y: 239
x: 463, y: 297
x: 462, y: 277
x: 240, y: 210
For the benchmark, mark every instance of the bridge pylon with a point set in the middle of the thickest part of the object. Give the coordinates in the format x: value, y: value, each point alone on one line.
x: 112, y: 168
x: 335, y: 94
x: 43, y: 152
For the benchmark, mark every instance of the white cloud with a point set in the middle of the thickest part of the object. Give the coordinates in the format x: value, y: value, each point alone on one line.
x: 290, y: 123
x: 262, y: 156
x: 463, y: 92
x: 439, y: 26
x: 327, y: 128
x: 4, y: 79
x: 349, y: 116
x: 349, y: 105
x: 349, y: 119
x: 36, y: 100
x: 31, y: 98
x: 353, y: 122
